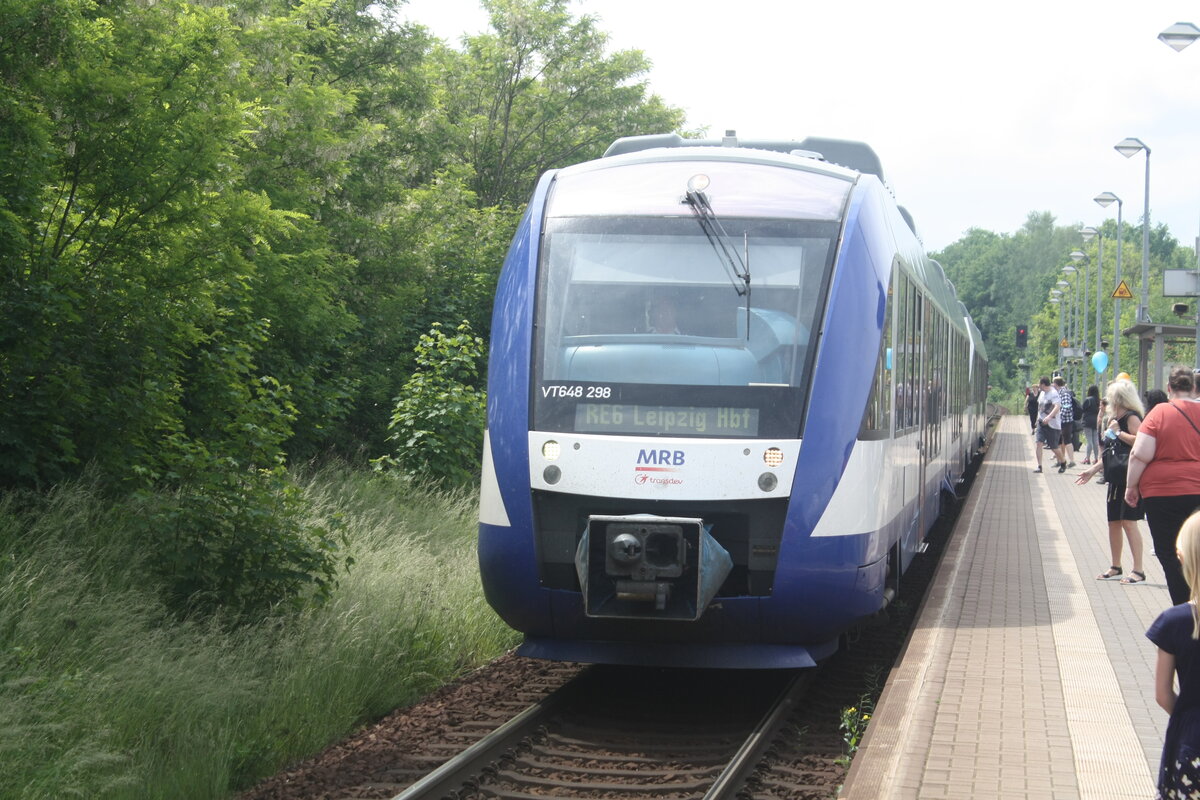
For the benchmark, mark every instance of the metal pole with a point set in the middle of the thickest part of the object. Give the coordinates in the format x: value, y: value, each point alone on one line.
x: 1080, y: 326
x: 1099, y: 281
x: 1196, y: 303
x: 1061, y: 334
x: 1144, y: 311
x: 1083, y: 315
x: 1116, y: 342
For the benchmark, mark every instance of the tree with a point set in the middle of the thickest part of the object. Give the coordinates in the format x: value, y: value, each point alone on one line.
x: 538, y: 92
x: 132, y: 334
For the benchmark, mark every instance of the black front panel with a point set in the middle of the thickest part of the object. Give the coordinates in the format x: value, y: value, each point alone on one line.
x: 749, y: 530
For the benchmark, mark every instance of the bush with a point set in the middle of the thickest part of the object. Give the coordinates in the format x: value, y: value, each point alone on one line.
x: 439, y: 416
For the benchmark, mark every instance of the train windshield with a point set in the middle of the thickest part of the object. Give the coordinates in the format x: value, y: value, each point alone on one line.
x: 646, y: 321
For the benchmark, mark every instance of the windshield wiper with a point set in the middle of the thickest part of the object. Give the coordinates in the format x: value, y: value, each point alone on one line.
x: 730, y: 259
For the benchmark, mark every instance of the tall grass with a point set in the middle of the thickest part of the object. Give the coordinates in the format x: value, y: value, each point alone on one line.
x: 104, y: 694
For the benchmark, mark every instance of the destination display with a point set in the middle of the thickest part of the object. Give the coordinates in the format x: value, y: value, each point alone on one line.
x: 665, y: 420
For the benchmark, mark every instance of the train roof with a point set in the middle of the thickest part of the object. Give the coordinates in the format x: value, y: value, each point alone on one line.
x: 857, y: 156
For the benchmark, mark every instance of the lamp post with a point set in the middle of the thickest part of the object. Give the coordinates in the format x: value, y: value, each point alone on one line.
x: 1106, y: 199
x: 1128, y: 147
x: 1056, y: 298
x: 1073, y: 319
x: 1077, y: 256
x: 1177, y: 37
x: 1087, y: 234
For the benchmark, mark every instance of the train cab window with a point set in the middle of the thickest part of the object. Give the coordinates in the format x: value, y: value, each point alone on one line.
x: 648, y: 306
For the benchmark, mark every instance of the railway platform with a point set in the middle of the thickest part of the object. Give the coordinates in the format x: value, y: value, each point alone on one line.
x: 1024, y: 677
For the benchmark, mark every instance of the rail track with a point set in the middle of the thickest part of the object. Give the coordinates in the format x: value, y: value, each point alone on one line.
x: 628, y: 733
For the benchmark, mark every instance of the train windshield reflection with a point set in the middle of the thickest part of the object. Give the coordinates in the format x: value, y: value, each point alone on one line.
x: 648, y: 301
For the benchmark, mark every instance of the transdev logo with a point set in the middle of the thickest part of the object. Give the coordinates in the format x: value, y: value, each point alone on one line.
x: 650, y: 462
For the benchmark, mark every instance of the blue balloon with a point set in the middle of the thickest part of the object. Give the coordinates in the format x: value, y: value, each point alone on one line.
x: 1100, y: 361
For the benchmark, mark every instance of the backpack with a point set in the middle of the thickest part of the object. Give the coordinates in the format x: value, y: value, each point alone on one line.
x: 1076, y: 409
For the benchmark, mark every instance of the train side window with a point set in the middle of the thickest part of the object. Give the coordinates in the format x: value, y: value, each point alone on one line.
x: 877, y: 420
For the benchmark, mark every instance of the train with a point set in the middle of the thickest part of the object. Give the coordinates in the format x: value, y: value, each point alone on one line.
x: 728, y: 395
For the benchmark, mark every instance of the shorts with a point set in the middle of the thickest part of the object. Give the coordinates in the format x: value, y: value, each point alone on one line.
x: 1064, y: 435
x: 1117, y: 508
x: 1049, y: 436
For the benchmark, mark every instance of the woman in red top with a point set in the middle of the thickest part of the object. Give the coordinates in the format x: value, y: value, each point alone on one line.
x: 1164, y: 471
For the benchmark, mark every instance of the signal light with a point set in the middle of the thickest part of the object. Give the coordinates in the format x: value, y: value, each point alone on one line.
x: 1022, y: 335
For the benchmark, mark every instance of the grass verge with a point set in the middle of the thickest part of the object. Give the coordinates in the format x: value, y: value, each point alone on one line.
x: 104, y: 694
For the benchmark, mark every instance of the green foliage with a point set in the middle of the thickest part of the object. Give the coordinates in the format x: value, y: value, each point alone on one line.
x: 230, y: 530
x: 106, y: 694
x: 539, y: 91
x: 853, y: 725
x: 439, y: 417
x: 1005, y: 279
x: 437, y: 258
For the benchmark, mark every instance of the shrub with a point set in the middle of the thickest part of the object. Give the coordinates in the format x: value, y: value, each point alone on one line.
x: 439, y: 416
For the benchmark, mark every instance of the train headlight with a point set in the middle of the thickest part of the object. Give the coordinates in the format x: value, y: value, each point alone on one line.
x: 698, y: 182
x: 551, y: 450
x: 773, y: 457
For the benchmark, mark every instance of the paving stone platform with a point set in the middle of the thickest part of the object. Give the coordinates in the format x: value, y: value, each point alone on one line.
x: 1024, y: 677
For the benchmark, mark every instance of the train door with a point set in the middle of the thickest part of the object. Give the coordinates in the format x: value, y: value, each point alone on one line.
x: 909, y: 414
x: 925, y: 422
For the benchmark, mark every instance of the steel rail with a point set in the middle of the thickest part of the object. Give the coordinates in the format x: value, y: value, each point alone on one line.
x: 453, y: 774
x: 750, y: 754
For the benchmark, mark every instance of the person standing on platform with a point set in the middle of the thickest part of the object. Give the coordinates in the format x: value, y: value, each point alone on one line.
x: 1048, y: 426
x: 1091, y: 410
x: 1164, y: 473
x: 1154, y: 397
x: 1176, y: 634
x: 1126, y: 415
x: 1066, y: 399
x: 1031, y: 407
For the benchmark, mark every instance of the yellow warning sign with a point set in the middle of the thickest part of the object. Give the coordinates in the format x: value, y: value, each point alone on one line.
x: 1122, y: 292
x: 1064, y: 343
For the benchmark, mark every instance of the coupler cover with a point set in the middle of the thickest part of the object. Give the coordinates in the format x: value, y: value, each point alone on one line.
x: 646, y: 567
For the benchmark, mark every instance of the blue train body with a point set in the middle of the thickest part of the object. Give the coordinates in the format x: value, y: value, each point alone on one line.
x: 727, y: 394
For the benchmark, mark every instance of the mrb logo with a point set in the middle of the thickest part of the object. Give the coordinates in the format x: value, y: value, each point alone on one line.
x: 660, y: 458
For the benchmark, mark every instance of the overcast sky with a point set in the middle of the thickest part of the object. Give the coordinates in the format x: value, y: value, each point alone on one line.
x: 980, y: 112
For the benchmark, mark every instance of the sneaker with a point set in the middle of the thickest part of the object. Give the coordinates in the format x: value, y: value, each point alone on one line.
x: 1039, y: 469
x: 1101, y: 480
x: 1062, y: 467
x: 1072, y: 464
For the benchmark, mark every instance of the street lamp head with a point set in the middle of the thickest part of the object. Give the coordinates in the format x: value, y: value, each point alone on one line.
x: 1129, y: 146
x: 1079, y: 255
x: 1069, y: 269
x: 1061, y: 282
x: 1087, y: 234
x: 1106, y: 199
x: 1054, y: 293
x: 1179, y: 35
x: 1055, y: 300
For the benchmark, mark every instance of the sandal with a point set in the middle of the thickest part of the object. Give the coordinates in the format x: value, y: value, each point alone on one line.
x: 1134, y: 577
x: 1113, y: 572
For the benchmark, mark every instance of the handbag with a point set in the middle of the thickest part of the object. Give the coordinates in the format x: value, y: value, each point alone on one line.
x: 1116, y: 460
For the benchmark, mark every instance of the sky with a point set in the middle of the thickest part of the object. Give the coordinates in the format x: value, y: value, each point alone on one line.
x: 980, y: 112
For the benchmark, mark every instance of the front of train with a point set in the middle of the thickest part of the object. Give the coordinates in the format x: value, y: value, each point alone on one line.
x: 681, y: 352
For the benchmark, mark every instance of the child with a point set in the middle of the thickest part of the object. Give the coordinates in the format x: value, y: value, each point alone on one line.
x: 1176, y: 632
